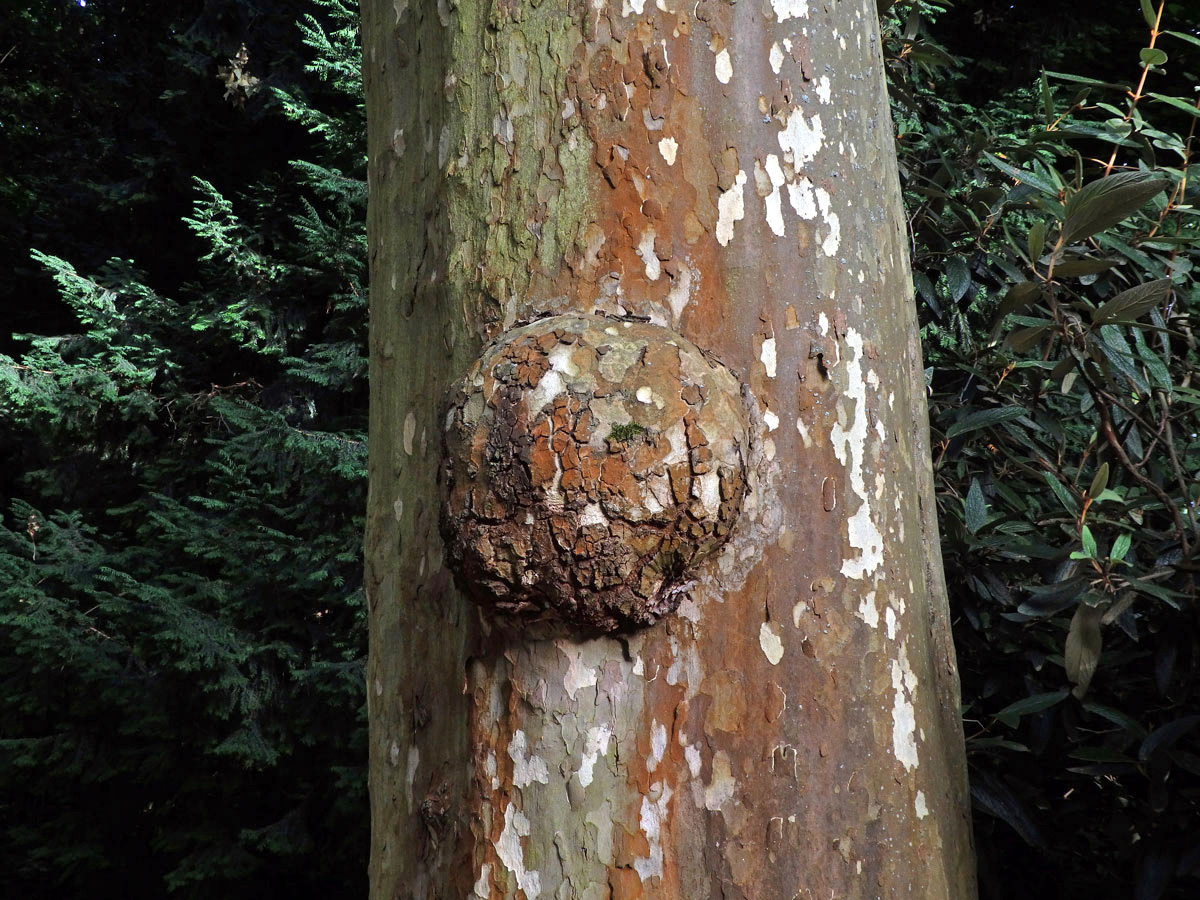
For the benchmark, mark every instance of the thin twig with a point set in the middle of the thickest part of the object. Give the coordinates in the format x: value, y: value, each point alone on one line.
x: 1106, y: 429
x: 1137, y: 93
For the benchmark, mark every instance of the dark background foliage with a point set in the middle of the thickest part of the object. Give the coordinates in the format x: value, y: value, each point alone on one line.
x: 1046, y: 155
x: 183, y: 415
x: 183, y: 423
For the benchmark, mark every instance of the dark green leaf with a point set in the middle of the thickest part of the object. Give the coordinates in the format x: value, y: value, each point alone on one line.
x: 1156, y: 865
x: 1083, y: 79
x: 1065, y: 497
x: 975, y: 507
x: 1102, y: 203
x: 1148, y: 13
x: 1190, y: 38
x: 1131, y: 304
x: 1024, y: 338
x: 958, y: 277
x: 1048, y: 599
x: 1100, y: 755
x: 929, y: 54
x: 1182, y: 105
x: 1113, y: 131
x: 927, y: 293
x: 1065, y: 366
x: 1034, y: 704
x: 995, y: 798
x: 1099, y: 482
x: 1018, y: 297
x: 1088, y: 542
x: 1085, y: 266
x: 1146, y: 263
x: 1116, y: 717
x: 1081, y: 95
x: 1037, y: 240
x: 1031, y: 320
x: 1112, y: 349
x: 1155, y: 367
x: 1120, y: 546
x: 998, y: 743
x: 1162, y: 738
x: 1186, y: 760
x: 1152, y: 56
x: 1157, y: 591
x: 1024, y: 177
x: 1101, y: 770
x: 924, y: 286
x: 1084, y: 641
x: 983, y: 419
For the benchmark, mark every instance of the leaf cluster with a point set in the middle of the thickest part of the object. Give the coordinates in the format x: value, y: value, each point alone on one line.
x: 1055, y: 245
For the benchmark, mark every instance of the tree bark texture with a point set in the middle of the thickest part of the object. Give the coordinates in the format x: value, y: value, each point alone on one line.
x: 726, y: 170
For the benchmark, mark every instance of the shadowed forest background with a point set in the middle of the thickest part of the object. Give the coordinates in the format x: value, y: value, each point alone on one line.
x: 183, y: 393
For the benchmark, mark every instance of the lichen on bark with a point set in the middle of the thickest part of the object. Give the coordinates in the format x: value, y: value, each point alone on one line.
x: 591, y: 464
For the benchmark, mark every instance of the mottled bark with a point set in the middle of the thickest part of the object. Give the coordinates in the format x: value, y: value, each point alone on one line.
x: 791, y: 729
x: 592, y: 465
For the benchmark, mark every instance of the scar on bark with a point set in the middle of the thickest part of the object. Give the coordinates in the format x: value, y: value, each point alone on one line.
x: 591, y: 464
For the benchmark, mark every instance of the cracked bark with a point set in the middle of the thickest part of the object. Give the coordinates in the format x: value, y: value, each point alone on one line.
x: 775, y: 714
x: 590, y: 465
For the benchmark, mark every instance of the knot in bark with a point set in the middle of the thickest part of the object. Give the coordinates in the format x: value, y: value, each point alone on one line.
x: 591, y: 465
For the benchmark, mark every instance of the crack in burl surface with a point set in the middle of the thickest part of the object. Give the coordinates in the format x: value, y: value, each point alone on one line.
x: 591, y: 464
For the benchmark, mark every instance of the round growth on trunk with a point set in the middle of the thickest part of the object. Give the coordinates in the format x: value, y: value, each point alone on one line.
x: 591, y: 464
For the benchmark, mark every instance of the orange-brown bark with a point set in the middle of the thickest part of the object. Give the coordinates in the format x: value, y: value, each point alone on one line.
x: 724, y: 170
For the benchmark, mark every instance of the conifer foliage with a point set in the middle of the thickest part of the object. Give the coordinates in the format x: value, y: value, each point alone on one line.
x: 181, y: 623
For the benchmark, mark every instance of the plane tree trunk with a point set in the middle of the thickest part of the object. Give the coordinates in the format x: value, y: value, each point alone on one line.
x: 764, y: 704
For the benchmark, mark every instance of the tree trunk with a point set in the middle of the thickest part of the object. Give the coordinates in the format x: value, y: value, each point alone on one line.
x: 775, y: 716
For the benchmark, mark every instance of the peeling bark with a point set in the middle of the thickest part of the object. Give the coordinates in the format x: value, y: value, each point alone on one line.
x: 776, y: 715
